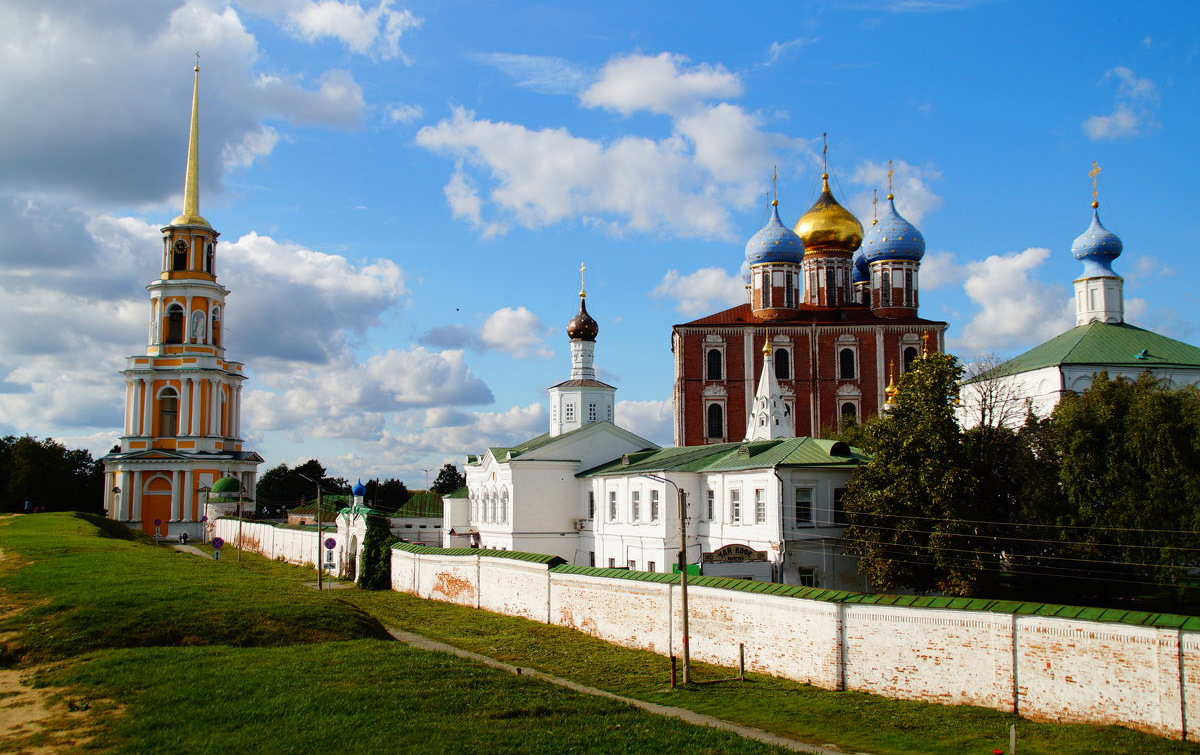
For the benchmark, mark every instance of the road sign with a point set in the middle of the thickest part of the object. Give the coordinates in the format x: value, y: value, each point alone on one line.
x: 217, y: 543
x: 330, y: 543
x: 157, y: 522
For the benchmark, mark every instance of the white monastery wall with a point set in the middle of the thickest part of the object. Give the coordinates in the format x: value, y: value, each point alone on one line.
x: 1043, y: 667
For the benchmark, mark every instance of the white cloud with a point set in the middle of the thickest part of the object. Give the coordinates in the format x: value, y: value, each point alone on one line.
x: 703, y: 291
x: 1133, y: 111
x: 1016, y: 309
x: 779, y: 50
x: 518, y: 332
x: 653, y: 420
x: 914, y: 197
x: 939, y: 270
x: 538, y: 73
x: 404, y: 113
x: 659, y: 84
x: 374, y: 31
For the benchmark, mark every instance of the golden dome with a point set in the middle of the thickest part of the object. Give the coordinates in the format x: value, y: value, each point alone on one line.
x: 828, y: 226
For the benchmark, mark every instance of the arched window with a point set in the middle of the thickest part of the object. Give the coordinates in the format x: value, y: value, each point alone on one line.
x: 910, y: 291
x: 831, y: 292
x: 168, y: 413
x: 216, y: 326
x: 783, y: 365
x: 789, y: 291
x: 208, y: 258
x: 910, y: 353
x: 713, y: 365
x: 716, y: 421
x: 849, y: 415
x: 885, y: 289
x: 846, y: 369
x: 174, y: 324
x: 179, y: 254
x: 504, y: 505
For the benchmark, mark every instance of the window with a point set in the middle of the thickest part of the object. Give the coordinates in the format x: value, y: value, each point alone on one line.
x: 716, y: 421
x: 612, y: 505
x: 591, y: 558
x: 910, y: 298
x: 789, y: 291
x: 885, y: 289
x: 712, y: 369
x: 504, y: 505
x: 831, y: 292
x: 474, y: 509
x: 635, y: 506
x: 612, y: 563
x: 653, y: 507
x: 591, y: 412
x: 760, y: 506
x: 806, y: 578
x: 179, y: 254
x: 208, y: 258
x: 735, y: 506
x: 839, y: 513
x: 710, y: 505
x: 802, y: 508
x: 783, y: 366
x: 216, y: 327
x: 569, y: 412
x: 174, y: 324
x: 910, y: 353
x: 591, y: 504
x: 632, y: 564
x: 846, y: 364
x: 651, y: 566
x: 849, y: 414
x: 168, y: 409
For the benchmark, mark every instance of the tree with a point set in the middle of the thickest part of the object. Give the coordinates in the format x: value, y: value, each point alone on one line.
x: 906, y: 507
x: 281, y: 488
x: 49, y: 475
x: 389, y: 495
x: 449, y: 479
x: 375, y: 573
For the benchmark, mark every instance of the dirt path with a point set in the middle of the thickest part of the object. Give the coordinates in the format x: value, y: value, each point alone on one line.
x: 690, y: 716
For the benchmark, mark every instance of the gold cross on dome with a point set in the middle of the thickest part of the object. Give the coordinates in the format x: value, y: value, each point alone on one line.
x: 825, y: 152
x: 582, y: 287
x: 1095, y: 171
x: 890, y: 173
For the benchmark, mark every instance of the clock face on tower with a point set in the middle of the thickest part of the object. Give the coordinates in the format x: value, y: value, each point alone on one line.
x: 179, y: 259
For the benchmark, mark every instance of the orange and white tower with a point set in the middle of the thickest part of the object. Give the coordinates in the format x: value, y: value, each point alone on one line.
x: 183, y: 397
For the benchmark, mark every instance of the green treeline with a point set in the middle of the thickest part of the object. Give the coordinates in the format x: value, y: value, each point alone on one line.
x: 1100, y: 501
x: 49, y: 476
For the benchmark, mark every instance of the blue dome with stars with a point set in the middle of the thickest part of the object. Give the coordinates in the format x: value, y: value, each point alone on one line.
x: 359, y: 490
x: 1097, y: 247
x: 775, y: 242
x: 861, y: 272
x: 893, y: 238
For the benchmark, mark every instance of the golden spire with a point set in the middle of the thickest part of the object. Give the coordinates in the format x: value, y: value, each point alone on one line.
x: 191, y: 181
x: 890, y: 391
x: 925, y: 344
x: 1095, y: 171
x: 767, y: 346
x: 874, y: 206
x: 774, y: 185
x: 582, y: 288
x: 891, y: 172
x: 825, y: 153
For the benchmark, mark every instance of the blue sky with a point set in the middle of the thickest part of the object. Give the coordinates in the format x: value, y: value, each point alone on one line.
x: 406, y: 191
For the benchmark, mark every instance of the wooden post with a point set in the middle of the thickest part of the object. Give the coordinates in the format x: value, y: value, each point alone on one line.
x: 742, y: 661
x: 673, y: 664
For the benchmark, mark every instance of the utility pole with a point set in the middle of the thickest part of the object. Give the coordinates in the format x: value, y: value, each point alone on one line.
x: 320, y: 567
x: 683, y: 595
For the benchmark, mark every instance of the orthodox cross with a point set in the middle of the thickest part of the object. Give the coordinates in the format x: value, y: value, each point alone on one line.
x: 582, y: 287
x: 1095, y: 171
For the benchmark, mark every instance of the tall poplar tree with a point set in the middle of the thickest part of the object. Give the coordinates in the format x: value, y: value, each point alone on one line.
x: 906, y: 507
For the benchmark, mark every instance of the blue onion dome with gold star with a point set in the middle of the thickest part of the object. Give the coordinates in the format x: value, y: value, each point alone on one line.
x: 583, y: 327
x: 359, y: 490
x: 827, y: 226
x: 775, y: 242
x: 893, y: 237
x: 861, y: 272
x: 1097, y: 247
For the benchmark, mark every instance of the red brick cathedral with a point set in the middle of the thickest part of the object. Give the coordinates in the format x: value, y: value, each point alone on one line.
x: 839, y: 312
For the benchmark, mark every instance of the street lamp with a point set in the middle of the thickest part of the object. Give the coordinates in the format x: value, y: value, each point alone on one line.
x: 683, y: 598
x: 320, y: 568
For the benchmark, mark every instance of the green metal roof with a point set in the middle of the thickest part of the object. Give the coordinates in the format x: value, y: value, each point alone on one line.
x: 535, y: 558
x: 504, y: 453
x: 421, y: 503
x: 1102, y: 345
x: 787, y: 452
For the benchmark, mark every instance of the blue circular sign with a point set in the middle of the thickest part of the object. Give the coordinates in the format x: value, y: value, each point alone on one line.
x: 217, y: 543
x: 330, y: 543
x: 204, y: 518
x: 157, y: 522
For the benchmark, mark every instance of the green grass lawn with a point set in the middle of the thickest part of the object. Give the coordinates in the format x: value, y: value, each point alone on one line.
x: 174, y: 653
x: 273, y: 666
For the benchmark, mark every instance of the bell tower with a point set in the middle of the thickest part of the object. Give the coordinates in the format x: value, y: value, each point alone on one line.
x: 182, y: 428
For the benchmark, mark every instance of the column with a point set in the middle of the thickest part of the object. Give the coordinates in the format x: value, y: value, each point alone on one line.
x: 185, y: 405
x: 176, y: 498
x: 147, y: 407
x: 135, y: 482
x: 197, y: 400
x: 189, y: 497
x: 236, y: 430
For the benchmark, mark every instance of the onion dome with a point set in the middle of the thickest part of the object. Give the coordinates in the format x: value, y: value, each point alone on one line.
x: 775, y: 242
x: 359, y: 490
x: 893, y: 238
x: 861, y: 273
x: 1097, y: 247
x: 582, y: 326
x: 827, y: 226
x: 226, y: 485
